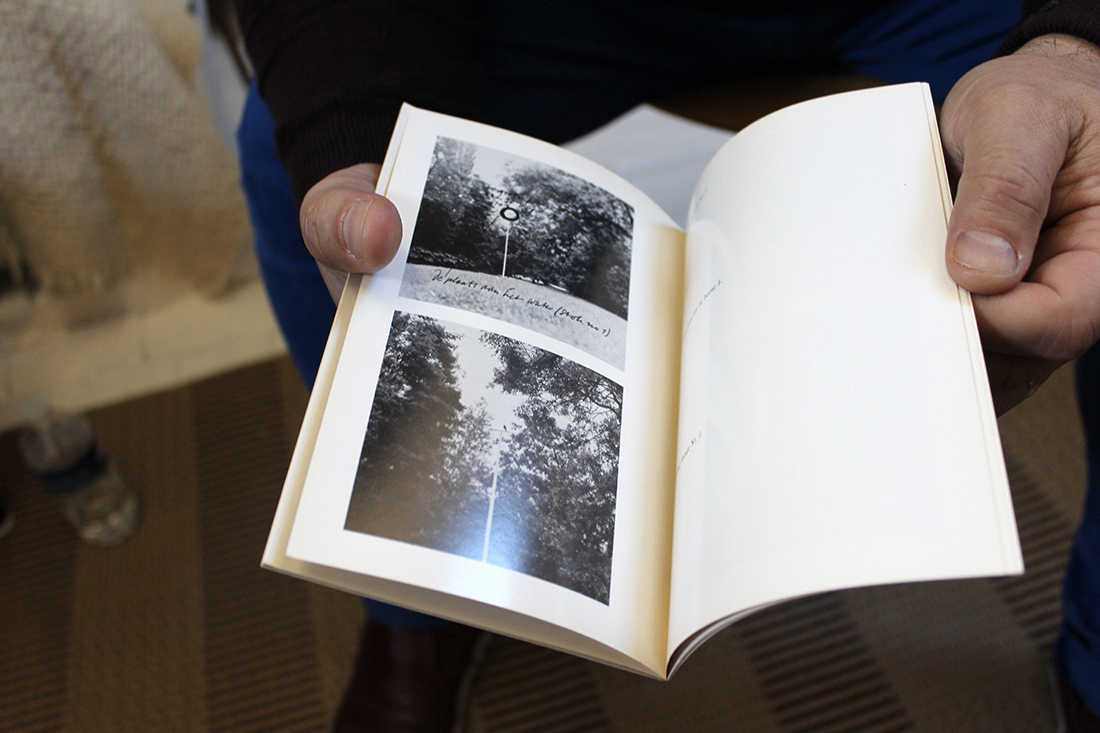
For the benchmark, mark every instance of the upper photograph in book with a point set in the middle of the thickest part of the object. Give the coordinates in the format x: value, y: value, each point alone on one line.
x: 511, y: 238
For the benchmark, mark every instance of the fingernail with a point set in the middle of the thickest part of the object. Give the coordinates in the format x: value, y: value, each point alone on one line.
x: 986, y: 252
x: 355, y: 221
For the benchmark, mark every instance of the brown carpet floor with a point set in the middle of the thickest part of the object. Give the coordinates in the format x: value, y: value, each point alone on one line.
x: 180, y: 630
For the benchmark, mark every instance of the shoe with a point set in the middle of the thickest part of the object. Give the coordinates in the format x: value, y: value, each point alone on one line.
x: 411, y: 681
x: 1073, y: 714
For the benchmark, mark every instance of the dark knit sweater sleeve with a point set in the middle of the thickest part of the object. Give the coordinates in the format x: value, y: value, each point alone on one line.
x: 1079, y: 18
x: 335, y: 72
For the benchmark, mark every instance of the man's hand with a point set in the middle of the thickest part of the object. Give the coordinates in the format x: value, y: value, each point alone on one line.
x: 1023, y: 134
x: 347, y: 227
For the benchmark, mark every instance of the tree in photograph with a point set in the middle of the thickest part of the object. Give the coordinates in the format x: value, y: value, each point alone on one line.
x: 456, y: 213
x: 417, y: 399
x: 570, y: 234
x: 559, y: 470
x: 422, y: 448
x: 466, y: 478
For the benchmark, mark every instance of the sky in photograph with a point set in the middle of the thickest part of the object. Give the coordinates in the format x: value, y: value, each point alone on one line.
x: 476, y: 361
x: 493, y: 166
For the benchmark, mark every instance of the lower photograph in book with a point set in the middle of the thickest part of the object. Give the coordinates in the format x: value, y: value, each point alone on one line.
x: 489, y: 448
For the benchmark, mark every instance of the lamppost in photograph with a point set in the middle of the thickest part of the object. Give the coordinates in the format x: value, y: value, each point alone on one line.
x: 492, y: 494
x: 509, y: 215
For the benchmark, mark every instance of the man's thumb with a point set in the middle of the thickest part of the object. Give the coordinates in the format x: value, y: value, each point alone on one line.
x: 1002, y: 199
x: 346, y: 225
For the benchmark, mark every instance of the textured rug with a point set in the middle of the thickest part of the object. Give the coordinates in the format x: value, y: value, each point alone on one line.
x: 180, y: 630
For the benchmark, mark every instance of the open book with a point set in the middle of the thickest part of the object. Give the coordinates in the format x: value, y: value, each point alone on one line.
x: 559, y: 417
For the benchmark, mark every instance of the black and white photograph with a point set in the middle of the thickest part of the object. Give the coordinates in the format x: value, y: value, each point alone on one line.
x: 492, y: 449
x: 525, y: 242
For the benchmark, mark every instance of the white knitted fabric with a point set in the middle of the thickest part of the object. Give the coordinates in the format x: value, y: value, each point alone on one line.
x: 109, y: 163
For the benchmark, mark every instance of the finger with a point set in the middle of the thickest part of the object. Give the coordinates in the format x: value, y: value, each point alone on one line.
x: 1009, y: 154
x: 1012, y: 379
x: 1054, y: 314
x: 346, y: 225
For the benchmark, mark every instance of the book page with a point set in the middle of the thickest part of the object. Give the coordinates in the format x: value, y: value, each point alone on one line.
x: 500, y: 427
x: 836, y: 426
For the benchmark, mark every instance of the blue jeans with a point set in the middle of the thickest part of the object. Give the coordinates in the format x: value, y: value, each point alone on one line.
x: 298, y: 296
x: 560, y: 68
x: 1077, y: 651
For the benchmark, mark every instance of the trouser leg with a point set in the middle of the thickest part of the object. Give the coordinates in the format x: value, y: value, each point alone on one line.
x: 302, y: 305
x: 1077, y: 651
